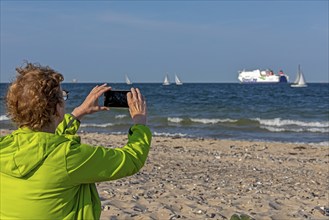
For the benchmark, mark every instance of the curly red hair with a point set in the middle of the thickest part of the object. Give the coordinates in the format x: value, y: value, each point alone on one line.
x: 32, y: 98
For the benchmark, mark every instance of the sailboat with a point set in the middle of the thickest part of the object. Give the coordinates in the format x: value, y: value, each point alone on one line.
x: 300, y: 80
x: 177, y: 80
x: 128, y: 80
x: 166, y: 81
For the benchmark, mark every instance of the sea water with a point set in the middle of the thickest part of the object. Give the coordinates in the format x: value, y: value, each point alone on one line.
x: 273, y: 112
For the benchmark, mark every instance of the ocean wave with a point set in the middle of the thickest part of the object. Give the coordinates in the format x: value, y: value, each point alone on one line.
x: 118, y: 132
x: 120, y: 116
x: 319, y: 130
x: 175, y: 120
x: 200, y: 120
x: 97, y: 125
x: 278, y: 122
x: 4, y: 118
x: 324, y: 143
x: 165, y: 134
x: 212, y: 121
x: 297, y: 130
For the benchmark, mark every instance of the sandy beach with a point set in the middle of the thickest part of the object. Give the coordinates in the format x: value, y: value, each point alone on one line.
x: 214, y: 179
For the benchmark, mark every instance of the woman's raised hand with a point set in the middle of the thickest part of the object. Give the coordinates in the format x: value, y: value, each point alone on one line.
x: 137, y: 106
x: 90, y: 104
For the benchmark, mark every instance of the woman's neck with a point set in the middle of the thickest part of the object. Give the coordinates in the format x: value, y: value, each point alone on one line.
x: 49, y: 129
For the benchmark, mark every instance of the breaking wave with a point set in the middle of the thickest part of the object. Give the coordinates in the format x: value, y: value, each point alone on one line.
x: 96, y: 125
x: 272, y: 125
x: 314, y: 130
x: 286, y: 125
x: 200, y: 120
x: 4, y: 118
x: 165, y: 134
x: 278, y: 122
x: 212, y: 121
x: 175, y: 120
x: 120, y: 116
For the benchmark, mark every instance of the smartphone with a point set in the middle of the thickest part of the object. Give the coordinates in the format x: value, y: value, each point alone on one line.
x: 115, y: 98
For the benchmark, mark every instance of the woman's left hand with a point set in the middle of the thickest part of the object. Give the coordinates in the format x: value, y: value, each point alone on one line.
x: 90, y: 104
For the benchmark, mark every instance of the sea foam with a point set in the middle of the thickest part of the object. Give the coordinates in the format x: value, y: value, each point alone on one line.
x: 120, y: 116
x: 4, y: 118
x: 175, y: 120
x: 84, y: 125
x: 165, y: 134
x: 278, y: 122
x: 212, y: 121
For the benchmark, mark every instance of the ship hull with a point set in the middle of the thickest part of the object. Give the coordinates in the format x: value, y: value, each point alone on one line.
x: 261, y: 77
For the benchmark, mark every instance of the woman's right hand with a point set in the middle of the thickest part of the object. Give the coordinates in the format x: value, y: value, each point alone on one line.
x: 90, y: 104
x: 137, y: 106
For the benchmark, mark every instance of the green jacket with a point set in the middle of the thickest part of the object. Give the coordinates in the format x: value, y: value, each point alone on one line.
x: 52, y: 176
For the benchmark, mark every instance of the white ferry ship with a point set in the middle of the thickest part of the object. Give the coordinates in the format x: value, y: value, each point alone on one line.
x: 262, y: 76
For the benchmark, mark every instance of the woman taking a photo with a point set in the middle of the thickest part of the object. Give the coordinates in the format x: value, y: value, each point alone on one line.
x: 46, y: 172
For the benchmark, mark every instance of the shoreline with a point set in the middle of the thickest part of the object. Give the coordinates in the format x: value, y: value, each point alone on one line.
x: 186, y: 178
x: 323, y: 143
x: 83, y: 132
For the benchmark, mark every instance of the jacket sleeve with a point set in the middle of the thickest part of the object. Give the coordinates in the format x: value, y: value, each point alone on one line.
x: 69, y: 125
x: 88, y: 164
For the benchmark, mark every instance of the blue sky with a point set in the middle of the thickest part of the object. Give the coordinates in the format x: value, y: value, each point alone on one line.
x: 201, y: 41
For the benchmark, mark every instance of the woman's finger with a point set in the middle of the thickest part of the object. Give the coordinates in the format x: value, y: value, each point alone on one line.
x: 102, y: 90
x: 98, y: 87
x: 133, y: 92
x: 129, y: 97
x: 139, y: 95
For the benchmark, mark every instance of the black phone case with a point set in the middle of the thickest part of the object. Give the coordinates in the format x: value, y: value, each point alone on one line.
x: 117, y: 99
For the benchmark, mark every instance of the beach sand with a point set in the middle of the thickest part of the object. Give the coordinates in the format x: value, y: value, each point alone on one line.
x: 213, y: 179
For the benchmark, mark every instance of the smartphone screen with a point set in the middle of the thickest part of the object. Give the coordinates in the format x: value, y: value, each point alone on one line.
x: 117, y: 99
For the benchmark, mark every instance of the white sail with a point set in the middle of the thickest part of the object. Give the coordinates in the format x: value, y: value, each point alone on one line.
x: 166, y: 81
x: 177, y: 80
x: 128, y: 80
x: 300, y: 79
x: 297, y: 77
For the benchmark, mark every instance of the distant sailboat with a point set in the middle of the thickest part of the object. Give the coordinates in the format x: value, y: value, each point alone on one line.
x: 177, y: 80
x: 166, y: 81
x: 300, y: 80
x: 128, y: 80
